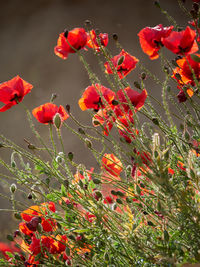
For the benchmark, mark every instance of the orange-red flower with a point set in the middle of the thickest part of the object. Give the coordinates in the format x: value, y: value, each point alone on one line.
x: 182, y: 42
x: 13, y: 91
x: 151, y: 39
x: 187, y: 69
x: 45, y: 113
x: 92, y: 40
x: 125, y: 125
x: 8, y: 248
x: 70, y: 42
x: 123, y: 68
x: 112, y: 164
x: 136, y: 99
x: 96, y: 96
x: 38, y: 211
x: 105, y: 118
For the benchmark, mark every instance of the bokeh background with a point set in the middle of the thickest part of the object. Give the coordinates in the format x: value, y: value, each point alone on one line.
x: 29, y: 32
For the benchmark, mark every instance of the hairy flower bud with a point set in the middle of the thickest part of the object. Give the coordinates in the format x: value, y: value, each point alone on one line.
x: 57, y: 121
x: 13, y: 188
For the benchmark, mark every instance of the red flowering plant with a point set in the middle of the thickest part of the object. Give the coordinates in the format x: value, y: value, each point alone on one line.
x: 139, y: 204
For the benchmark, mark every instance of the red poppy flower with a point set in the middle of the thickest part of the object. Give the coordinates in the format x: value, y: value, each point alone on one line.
x: 125, y: 125
x: 70, y: 42
x: 78, y: 176
x: 45, y: 113
x: 182, y: 42
x: 13, y: 91
x: 95, y: 97
x: 39, y: 211
x: 187, y: 68
x: 8, y: 248
x: 194, y: 23
x: 137, y: 99
x: 151, y: 39
x: 92, y: 40
x: 104, y: 117
x: 127, y: 64
x: 112, y: 164
x: 24, y: 229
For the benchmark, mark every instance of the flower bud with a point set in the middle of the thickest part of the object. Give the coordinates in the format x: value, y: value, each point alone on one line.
x: 81, y: 131
x: 120, y: 60
x: 143, y: 75
x: 157, y: 4
x: 30, y: 196
x: 57, y: 121
x: 66, y: 33
x: 13, y: 188
x: 59, y: 159
x: 88, y: 143
x: 53, y: 97
x: 70, y: 156
x: 88, y: 22
x: 137, y: 85
x: 67, y: 108
x: 115, y: 36
x: 155, y: 121
x: 17, y: 216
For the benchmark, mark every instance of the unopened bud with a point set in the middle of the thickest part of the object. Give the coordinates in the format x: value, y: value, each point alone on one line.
x: 156, y: 142
x: 137, y: 85
x: 53, y: 97
x: 57, y: 120
x: 178, y: 76
x: 143, y: 75
x: 88, y: 22
x: 115, y: 102
x: 67, y: 108
x: 13, y: 188
x: 13, y: 164
x: 17, y: 216
x: 66, y: 33
x: 128, y: 170
x: 155, y: 121
x: 30, y: 196
x: 88, y: 143
x: 157, y: 4
x: 70, y: 156
x: 59, y: 159
x: 196, y: 7
x: 115, y: 36
x: 120, y: 60
x: 81, y: 131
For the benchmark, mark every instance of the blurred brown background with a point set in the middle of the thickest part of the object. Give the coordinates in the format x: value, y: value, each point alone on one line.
x: 29, y: 32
